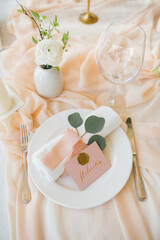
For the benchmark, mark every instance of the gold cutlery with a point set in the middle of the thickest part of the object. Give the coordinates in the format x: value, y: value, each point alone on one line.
x: 139, y: 184
x: 24, y: 137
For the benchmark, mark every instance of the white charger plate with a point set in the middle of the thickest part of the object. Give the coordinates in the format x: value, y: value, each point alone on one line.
x: 64, y: 191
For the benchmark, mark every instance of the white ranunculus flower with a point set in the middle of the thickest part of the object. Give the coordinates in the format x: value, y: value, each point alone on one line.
x: 48, y: 51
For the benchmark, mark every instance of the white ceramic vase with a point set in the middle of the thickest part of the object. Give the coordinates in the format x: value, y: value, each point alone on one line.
x: 48, y: 82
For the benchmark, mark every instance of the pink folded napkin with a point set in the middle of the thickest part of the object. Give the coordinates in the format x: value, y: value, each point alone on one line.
x: 50, y: 158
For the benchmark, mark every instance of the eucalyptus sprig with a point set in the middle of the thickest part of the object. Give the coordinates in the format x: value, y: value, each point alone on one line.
x: 93, y: 124
x: 35, y: 17
x: 65, y: 39
x: 157, y: 69
x: 44, y: 32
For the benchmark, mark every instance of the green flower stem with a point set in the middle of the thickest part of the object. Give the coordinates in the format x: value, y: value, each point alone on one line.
x: 28, y: 13
x: 32, y: 18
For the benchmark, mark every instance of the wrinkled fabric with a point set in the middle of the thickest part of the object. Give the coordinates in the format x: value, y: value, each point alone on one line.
x: 124, y: 217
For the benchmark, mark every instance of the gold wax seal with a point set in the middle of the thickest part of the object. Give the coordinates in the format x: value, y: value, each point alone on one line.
x: 83, y: 158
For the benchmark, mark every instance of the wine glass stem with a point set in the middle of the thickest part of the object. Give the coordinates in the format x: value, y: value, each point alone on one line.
x: 88, y: 6
x: 111, y: 98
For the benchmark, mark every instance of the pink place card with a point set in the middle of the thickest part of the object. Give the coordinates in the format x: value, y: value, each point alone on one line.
x: 87, y: 165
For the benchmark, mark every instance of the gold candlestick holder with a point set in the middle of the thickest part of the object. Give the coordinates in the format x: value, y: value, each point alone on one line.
x: 88, y: 17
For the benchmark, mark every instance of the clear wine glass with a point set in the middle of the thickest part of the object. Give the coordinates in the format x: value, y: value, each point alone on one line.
x: 120, y: 57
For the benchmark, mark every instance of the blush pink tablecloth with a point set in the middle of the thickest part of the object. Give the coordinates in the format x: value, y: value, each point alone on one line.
x: 123, y: 217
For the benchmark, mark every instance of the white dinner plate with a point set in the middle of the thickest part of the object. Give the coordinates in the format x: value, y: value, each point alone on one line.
x: 64, y: 191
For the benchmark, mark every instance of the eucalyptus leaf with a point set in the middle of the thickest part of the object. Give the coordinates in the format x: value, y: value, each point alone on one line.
x: 57, y: 68
x: 36, y: 15
x: 65, y: 39
x: 99, y: 140
x: 56, y: 24
x: 155, y: 69
x: 20, y: 10
x: 34, y: 40
x: 94, y: 124
x: 75, y: 120
x: 57, y: 30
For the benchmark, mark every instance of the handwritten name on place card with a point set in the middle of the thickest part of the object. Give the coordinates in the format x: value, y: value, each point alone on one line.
x: 87, y: 166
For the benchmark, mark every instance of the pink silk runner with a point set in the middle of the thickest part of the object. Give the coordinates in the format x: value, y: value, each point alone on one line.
x: 124, y: 217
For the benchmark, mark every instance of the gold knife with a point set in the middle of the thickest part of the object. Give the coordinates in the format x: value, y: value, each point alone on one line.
x: 139, y: 184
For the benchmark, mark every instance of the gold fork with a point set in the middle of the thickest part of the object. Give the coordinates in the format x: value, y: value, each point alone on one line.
x: 24, y: 137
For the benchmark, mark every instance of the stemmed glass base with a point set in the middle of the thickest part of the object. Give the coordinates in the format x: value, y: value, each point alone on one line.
x: 116, y: 102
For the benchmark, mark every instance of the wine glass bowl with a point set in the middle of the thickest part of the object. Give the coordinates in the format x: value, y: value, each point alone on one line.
x: 120, y: 55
